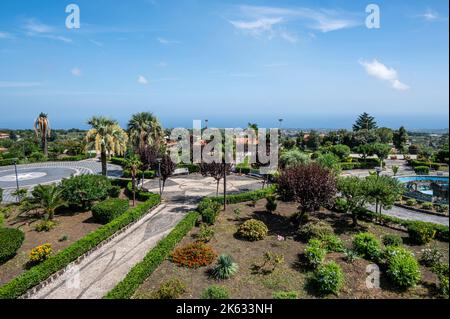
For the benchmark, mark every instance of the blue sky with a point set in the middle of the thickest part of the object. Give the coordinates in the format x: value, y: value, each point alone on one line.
x: 313, y: 63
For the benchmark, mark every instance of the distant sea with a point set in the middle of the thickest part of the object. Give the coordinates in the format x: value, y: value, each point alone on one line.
x: 411, y: 122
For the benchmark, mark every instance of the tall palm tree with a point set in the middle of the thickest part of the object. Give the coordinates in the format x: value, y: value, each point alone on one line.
x: 145, y: 129
x: 48, y: 198
x: 106, y: 137
x: 42, y: 128
x: 133, y: 164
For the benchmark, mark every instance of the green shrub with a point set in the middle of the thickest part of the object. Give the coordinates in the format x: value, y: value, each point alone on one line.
x: 205, y: 234
x: 109, y: 209
x: 333, y: 243
x: 328, y: 278
x: 246, y: 196
x: 422, y: 170
x: 10, y: 241
x: 402, y: 268
x: 209, y: 216
x: 147, y: 174
x: 225, y: 268
x: 427, y: 206
x: 1, y: 194
x: 141, y: 196
x: 340, y: 205
x: 114, y: 192
x: 271, y: 204
x: 367, y: 246
x: 315, y: 253
x: 152, y: 260
x: 19, y: 285
x: 84, y: 190
x: 40, y: 254
x: 253, y: 230
x: 411, y: 202
x: 171, y: 289
x: 209, y: 210
x: 315, y: 228
x: 118, y: 161
x: 441, y: 270
x: 350, y: 255
x: 441, y: 208
x: 392, y: 240
x: 215, y: 292
x: 285, y: 295
x: 420, y: 233
x: 44, y: 225
x: 430, y: 256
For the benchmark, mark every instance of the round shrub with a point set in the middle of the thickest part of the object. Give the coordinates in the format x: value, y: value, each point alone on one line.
x: 253, y: 230
x: 420, y: 233
x: 402, y: 268
x: 215, y: 292
x: 441, y: 208
x: 315, y: 228
x: 83, y: 190
x: 430, y: 256
x: 315, y: 253
x: 422, y: 170
x: 392, y: 240
x: 114, y: 191
x: 171, y: 289
x: 333, y: 243
x: 328, y: 278
x: 40, y: 253
x: 367, y: 246
x: 427, y: 206
x: 10, y: 241
x: 411, y: 202
x: 193, y: 255
x: 106, y: 211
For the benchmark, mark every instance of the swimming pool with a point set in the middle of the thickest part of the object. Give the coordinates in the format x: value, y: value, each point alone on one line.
x: 407, y: 179
x: 426, y: 188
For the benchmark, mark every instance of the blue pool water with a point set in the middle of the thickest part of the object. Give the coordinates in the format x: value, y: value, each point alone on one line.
x: 407, y: 179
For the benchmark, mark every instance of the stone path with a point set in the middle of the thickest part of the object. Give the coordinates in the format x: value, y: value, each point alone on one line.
x: 101, y: 271
x: 407, y: 214
x: 31, y: 175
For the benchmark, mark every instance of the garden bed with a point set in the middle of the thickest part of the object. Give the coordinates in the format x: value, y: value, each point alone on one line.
x: 70, y: 227
x: 292, y: 274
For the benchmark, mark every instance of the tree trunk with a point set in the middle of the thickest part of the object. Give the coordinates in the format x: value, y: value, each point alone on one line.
x: 354, y: 219
x: 134, y: 190
x: 44, y: 145
x: 163, y: 185
x: 225, y: 191
x: 103, y: 159
x: 217, y: 189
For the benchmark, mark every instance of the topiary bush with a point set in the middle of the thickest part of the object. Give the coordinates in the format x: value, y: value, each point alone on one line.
x: 422, y: 170
x: 225, y: 268
x: 315, y: 228
x: 215, y: 292
x: 328, y: 279
x: 10, y: 241
x: 84, y: 190
x: 402, y: 268
x: 106, y: 211
x: 392, y: 240
x: 367, y: 246
x: 253, y: 230
x: 420, y: 233
x: 193, y: 255
x: 315, y: 253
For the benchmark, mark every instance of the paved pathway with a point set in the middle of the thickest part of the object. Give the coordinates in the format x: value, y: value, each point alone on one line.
x: 407, y: 214
x: 31, y: 175
x: 101, y: 271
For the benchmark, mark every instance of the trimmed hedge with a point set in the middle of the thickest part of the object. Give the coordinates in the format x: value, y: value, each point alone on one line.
x: 126, y: 288
x: 10, y: 241
x: 442, y: 231
x: 246, y: 196
x: 140, y: 195
x: 192, y: 168
x: 422, y: 170
x: 19, y: 285
x: 106, y: 211
x: 147, y: 174
x: 118, y: 161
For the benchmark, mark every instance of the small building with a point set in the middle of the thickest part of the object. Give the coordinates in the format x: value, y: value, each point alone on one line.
x: 4, y: 136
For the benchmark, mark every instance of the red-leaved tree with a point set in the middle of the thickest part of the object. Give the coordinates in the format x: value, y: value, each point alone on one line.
x: 311, y: 185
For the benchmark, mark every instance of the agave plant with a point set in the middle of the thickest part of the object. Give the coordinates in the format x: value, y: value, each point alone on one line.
x: 225, y: 268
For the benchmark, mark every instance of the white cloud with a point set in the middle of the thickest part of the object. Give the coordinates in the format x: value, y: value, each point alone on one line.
x: 97, y: 43
x: 166, y: 41
x: 260, y: 20
x: 382, y: 72
x: 162, y: 64
x: 76, y: 72
x: 9, y: 84
x: 429, y: 15
x: 5, y: 35
x: 142, y: 80
x: 34, y: 28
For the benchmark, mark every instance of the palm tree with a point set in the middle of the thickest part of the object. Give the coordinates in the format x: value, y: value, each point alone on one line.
x: 42, y: 128
x: 106, y: 137
x: 133, y: 164
x: 48, y: 198
x: 145, y: 129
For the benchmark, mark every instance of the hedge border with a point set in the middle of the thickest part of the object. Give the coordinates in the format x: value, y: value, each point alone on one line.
x: 33, y: 277
x: 442, y: 231
x: 141, y: 271
x: 246, y: 196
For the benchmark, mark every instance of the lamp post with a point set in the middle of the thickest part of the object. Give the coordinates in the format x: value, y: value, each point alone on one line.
x: 206, y: 124
x: 159, y: 160
x: 17, y: 179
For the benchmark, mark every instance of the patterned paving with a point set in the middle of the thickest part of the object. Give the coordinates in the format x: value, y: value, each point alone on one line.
x: 34, y: 174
